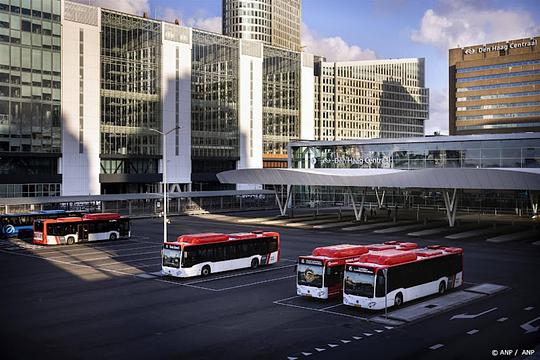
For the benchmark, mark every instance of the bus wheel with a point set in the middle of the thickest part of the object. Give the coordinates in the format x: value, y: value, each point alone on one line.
x: 205, y: 270
x: 112, y: 236
x: 398, y: 301
x: 442, y: 288
x: 254, y: 263
x: 70, y: 240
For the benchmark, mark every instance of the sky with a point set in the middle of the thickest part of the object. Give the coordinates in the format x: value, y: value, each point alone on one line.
x: 379, y: 29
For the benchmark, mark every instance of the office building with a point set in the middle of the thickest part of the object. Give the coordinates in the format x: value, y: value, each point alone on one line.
x: 86, y: 93
x: 494, y: 88
x: 370, y: 99
x: 30, y: 98
x: 274, y: 22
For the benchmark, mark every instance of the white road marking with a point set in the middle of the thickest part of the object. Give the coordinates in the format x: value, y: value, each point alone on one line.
x: 436, y: 346
x: 130, y: 261
x: 345, y: 341
x: 332, y: 306
x: 333, y: 345
x: 291, y: 358
x: 367, y: 334
x: 502, y: 319
x: 108, y: 257
x: 139, y: 267
x: 289, y: 298
x: 529, y: 328
x: 529, y: 308
x: 473, y: 331
x: 240, y: 274
x: 319, y: 310
x: 145, y: 276
x: 306, y: 354
x: 379, y: 331
x: 389, y: 327
x: 357, y: 337
x: 472, y: 316
x: 319, y: 349
x: 98, y: 252
x: 254, y: 283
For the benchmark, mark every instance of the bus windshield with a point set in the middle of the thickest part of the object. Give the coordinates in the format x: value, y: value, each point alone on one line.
x: 359, y: 284
x: 310, y: 275
x: 171, y: 258
x: 38, y: 225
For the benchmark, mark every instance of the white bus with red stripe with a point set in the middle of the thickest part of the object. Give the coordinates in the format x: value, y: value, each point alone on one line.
x: 203, y: 254
x: 412, y: 273
x: 320, y: 274
x: 90, y: 227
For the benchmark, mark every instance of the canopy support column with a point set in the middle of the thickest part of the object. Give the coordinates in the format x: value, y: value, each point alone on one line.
x: 358, y: 212
x: 380, y: 199
x: 534, y: 202
x: 451, y: 206
x: 283, y: 205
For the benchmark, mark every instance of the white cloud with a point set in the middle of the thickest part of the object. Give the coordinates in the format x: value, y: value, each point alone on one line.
x: 333, y: 48
x: 135, y: 7
x: 438, y: 112
x: 212, y: 24
x: 460, y: 23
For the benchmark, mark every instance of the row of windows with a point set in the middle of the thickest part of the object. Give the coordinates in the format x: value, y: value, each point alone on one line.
x: 498, y: 116
x: 498, y: 106
x: 498, y: 96
x: 92, y: 227
x: 29, y: 190
x: 498, y: 66
x: 499, y: 76
x: 48, y: 9
x: 498, y: 126
x: 498, y: 86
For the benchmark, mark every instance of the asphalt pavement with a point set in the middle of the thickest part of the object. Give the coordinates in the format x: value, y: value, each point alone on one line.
x: 107, y: 300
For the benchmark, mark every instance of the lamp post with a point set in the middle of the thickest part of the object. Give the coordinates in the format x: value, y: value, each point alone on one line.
x: 385, y: 272
x: 164, y: 135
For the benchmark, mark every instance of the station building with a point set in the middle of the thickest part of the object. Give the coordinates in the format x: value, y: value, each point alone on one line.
x: 495, y: 88
x: 497, y: 173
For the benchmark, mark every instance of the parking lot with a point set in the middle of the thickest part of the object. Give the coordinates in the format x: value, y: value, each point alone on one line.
x: 108, y: 300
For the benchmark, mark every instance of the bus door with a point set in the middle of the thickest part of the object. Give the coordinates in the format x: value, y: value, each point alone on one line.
x: 333, y: 278
x: 83, y: 232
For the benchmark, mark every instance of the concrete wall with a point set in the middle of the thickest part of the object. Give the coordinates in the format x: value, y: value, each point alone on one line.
x: 80, y: 167
x: 307, y: 98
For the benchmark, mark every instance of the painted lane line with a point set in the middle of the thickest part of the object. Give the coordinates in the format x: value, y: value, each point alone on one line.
x: 186, y: 285
x: 333, y: 345
x: 319, y: 349
x: 306, y: 354
x: 367, y: 334
x: 529, y: 308
x: 130, y: 261
x: 108, y: 257
x: 291, y: 358
x: 345, y: 341
x: 99, y: 252
x: 502, y: 319
x: 253, y: 283
x: 289, y: 298
x: 357, y: 337
x: 332, y: 306
x: 528, y: 326
x: 389, y: 327
x: 240, y: 274
x: 473, y: 331
x: 379, y: 331
x: 436, y: 346
x: 140, y: 267
x: 472, y: 316
x: 319, y: 310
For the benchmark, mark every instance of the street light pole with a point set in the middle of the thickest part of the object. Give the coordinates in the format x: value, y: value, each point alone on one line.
x: 385, y: 272
x: 164, y: 182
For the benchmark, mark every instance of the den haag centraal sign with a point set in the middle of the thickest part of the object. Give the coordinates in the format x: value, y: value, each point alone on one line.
x: 366, y: 161
x: 500, y: 46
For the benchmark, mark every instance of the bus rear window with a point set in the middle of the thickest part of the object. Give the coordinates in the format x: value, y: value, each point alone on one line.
x: 38, y: 225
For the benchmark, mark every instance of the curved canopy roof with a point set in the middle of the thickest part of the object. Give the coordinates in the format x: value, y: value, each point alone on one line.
x: 436, y: 178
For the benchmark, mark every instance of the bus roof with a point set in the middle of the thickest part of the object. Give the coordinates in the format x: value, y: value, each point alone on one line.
x: 209, y: 238
x: 401, y: 254
x: 339, y: 251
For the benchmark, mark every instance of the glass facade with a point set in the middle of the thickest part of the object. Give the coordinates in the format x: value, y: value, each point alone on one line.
x: 30, y: 116
x: 214, y: 106
x: 281, y: 100
x: 499, y: 151
x: 496, y: 153
x: 130, y: 103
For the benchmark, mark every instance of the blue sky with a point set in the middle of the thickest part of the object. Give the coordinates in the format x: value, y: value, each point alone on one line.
x: 361, y: 29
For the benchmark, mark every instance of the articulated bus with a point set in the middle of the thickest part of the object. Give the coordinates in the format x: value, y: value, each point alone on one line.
x: 21, y: 225
x: 90, y: 227
x: 320, y: 275
x: 202, y: 254
x: 411, y: 273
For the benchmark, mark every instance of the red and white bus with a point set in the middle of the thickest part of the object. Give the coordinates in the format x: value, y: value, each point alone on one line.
x: 90, y: 227
x: 320, y: 275
x: 412, y: 273
x: 203, y: 254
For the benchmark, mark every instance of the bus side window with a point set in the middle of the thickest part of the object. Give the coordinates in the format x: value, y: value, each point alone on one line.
x: 379, y: 289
